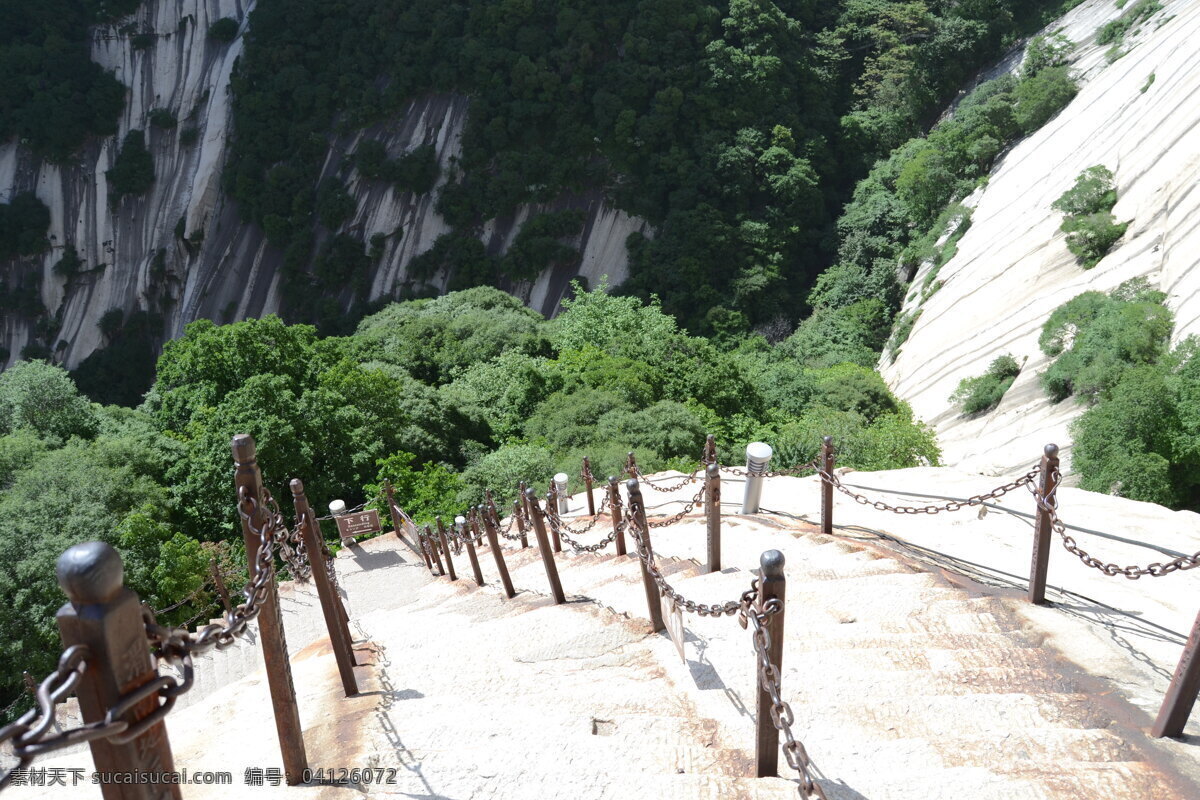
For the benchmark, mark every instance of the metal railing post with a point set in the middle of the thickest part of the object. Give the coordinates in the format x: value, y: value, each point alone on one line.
x: 827, y: 460
x: 614, y: 506
x: 1181, y: 694
x: 710, y: 450
x: 587, y: 482
x: 539, y: 530
x: 519, y: 516
x: 432, y: 543
x: 248, y: 481
x: 631, y: 467
x: 489, y: 529
x: 441, y: 528
x: 712, y: 510
x: 339, y: 636
x: 106, y: 618
x: 637, y: 516
x: 470, y: 531
x: 758, y: 456
x: 552, y: 511
x: 1040, y: 562
x: 772, y: 587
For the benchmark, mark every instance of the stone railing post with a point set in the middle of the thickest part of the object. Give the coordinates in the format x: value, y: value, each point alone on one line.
x: 248, y: 482
x: 106, y: 617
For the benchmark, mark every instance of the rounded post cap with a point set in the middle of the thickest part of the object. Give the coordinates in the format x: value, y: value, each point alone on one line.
x: 337, y: 507
x: 827, y: 439
x: 772, y: 562
x: 243, y: 448
x: 1051, y: 450
x: 632, y: 486
x: 587, y: 460
x: 297, y: 487
x: 760, y: 451
x: 710, y: 438
x: 460, y: 520
x: 713, y: 470
x: 438, y: 519
x: 530, y: 494
x: 90, y: 573
x: 561, y: 478
x: 612, y: 480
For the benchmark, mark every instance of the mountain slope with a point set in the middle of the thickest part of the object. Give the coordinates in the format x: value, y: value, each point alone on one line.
x: 1012, y: 268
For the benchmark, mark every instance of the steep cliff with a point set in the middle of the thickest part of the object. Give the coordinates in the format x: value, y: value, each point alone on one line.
x: 181, y: 249
x: 1136, y: 115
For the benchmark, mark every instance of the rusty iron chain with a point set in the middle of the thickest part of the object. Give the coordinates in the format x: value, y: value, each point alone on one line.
x: 562, y: 534
x: 701, y: 609
x: 954, y: 505
x: 560, y: 525
x: 782, y: 716
x: 687, y: 509
x: 1049, y: 504
x: 692, y: 478
x: 792, y: 472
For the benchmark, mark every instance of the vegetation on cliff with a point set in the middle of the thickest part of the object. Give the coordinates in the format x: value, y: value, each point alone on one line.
x: 445, y: 397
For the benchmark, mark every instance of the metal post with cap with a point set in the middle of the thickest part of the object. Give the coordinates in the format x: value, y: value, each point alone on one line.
x: 587, y: 483
x: 758, y: 456
x: 339, y: 636
x: 1040, y: 561
x: 539, y: 530
x: 441, y: 529
x: 827, y: 463
x: 468, y: 537
x: 489, y: 529
x: 1181, y: 694
x: 637, y: 518
x: 106, y: 617
x: 248, y: 481
x: 614, y: 506
x: 519, y: 515
x: 712, y: 510
x: 773, y: 586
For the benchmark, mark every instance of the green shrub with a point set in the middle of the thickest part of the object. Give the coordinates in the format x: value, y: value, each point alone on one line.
x: 983, y: 393
x: 1045, y: 52
x: 23, y: 224
x: 1088, y: 222
x: 1115, y: 30
x: 1149, y: 82
x: 1090, y: 237
x: 162, y: 118
x: 1042, y: 96
x: 224, y: 30
x: 1096, y: 338
x: 133, y: 169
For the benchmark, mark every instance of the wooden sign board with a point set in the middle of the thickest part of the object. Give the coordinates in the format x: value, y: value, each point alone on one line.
x: 673, y: 618
x: 352, y: 525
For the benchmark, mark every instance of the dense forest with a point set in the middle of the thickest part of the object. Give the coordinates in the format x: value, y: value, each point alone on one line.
x: 738, y: 129
x: 445, y: 397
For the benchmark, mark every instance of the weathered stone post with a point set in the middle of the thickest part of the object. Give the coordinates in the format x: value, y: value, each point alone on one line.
x: 256, y: 517
x: 339, y: 636
x: 1040, y: 563
x: 106, y: 618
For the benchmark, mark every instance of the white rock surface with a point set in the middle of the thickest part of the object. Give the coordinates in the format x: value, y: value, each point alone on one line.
x: 1012, y: 268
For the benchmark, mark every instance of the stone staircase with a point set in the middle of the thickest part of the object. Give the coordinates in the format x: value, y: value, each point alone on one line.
x: 904, y: 683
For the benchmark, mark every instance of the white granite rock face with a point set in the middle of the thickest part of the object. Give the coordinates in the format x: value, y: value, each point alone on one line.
x: 233, y: 273
x: 1012, y: 268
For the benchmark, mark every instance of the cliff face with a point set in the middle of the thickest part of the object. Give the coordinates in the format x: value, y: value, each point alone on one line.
x: 1138, y: 116
x: 183, y: 239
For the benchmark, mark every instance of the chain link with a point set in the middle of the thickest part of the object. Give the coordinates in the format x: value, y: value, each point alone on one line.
x: 769, y: 681
x: 692, y: 478
x: 687, y: 509
x: 793, y: 472
x: 1049, y: 504
x: 702, y: 609
x: 953, y: 505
